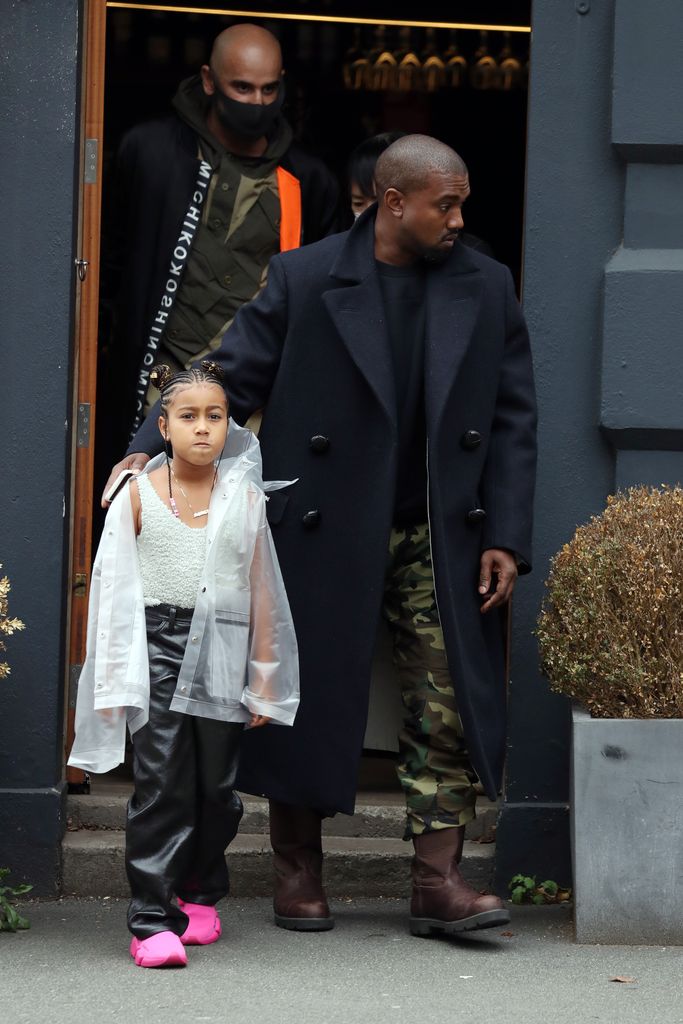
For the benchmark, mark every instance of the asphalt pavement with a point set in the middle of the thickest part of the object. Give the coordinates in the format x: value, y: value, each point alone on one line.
x: 73, y: 967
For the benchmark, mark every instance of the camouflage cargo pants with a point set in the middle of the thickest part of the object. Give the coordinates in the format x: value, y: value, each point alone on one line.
x: 434, y: 768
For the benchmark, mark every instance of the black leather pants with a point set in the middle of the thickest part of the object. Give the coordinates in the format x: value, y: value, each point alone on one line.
x: 184, y: 811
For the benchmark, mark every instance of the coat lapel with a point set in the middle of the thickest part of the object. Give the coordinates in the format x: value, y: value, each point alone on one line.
x: 354, y: 303
x: 453, y: 299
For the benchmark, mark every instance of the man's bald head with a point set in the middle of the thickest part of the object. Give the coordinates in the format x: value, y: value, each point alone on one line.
x: 244, y: 84
x: 422, y: 186
x: 240, y: 42
x: 409, y: 162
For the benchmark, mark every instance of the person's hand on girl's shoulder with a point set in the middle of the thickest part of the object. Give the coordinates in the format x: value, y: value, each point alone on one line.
x: 256, y: 721
x: 135, y: 462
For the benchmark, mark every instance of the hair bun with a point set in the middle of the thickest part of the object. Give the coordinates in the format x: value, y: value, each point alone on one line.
x: 160, y: 376
x: 213, y: 369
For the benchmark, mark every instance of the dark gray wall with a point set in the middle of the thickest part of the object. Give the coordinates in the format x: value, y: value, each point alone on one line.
x: 38, y: 140
x: 603, y: 293
x: 642, y: 366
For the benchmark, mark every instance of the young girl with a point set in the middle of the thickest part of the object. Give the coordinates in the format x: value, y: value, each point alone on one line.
x: 189, y: 637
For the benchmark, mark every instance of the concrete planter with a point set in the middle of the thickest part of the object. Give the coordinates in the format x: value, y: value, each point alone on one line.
x: 627, y: 825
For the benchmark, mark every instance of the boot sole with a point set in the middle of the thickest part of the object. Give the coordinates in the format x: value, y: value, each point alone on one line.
x: 305, y: 924
x: 425, y: 926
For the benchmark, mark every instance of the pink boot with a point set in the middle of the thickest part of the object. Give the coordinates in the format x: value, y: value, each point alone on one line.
x: 164, y: 949
x: 204, y: 926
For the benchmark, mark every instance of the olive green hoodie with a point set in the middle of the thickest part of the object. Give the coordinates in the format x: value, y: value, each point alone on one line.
x: 238, y: 234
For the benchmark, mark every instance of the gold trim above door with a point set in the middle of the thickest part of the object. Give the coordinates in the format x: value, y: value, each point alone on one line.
x: 327, y: 18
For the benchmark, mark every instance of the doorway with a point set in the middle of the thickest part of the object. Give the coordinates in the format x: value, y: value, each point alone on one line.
x: 350, y: 73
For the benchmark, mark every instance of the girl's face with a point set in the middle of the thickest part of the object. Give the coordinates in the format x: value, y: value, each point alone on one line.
x: 359, y: 201
x: 196, y: 423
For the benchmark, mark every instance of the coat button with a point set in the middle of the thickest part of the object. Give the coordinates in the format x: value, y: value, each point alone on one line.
x: 319, y: 443
x: 476, y: 515
x: 470, y: 440
x: 311, y: 519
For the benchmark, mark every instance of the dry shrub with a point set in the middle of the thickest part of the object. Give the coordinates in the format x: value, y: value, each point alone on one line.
x: 611, y: 627
x: 7, y: 626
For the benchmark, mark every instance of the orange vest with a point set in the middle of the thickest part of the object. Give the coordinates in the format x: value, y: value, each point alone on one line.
x: 289, y: 190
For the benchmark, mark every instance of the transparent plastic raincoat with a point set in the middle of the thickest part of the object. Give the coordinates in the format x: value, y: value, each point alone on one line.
x: 241, y: 656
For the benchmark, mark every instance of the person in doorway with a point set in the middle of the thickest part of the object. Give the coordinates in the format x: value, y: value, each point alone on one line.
x: 394, y: 367
x: 189, y: 638
x: 361, y: 170
x: 361, y: 177
x: 204, y: 198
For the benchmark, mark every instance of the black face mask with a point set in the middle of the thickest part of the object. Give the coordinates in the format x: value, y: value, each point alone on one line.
x: 250, y: 120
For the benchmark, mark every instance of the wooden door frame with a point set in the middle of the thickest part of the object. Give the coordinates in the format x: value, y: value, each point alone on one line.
x: 86, y: 328
x: 85, y: 355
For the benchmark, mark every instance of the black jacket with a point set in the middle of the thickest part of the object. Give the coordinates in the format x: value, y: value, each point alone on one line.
x: 156, y: 171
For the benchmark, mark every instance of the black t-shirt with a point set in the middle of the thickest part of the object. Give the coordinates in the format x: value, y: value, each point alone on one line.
x: 403, y: 293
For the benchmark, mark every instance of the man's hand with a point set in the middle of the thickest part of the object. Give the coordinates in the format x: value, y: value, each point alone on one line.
x: 502, y: 565
x: 137, y: 462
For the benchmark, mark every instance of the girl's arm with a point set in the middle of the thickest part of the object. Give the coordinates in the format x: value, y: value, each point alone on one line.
x: 136, y: 506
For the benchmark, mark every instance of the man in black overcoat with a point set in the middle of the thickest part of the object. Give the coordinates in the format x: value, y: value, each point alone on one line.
x: 394, y: 370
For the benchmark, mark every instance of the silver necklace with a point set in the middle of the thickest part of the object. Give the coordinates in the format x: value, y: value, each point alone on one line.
x: 195, y: 515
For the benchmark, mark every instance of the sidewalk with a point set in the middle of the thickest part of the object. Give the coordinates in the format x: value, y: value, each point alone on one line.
x: 73, y: 966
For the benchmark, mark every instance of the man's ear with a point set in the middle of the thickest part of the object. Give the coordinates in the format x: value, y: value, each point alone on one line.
x: 208, y: 84
x: 394, y: 201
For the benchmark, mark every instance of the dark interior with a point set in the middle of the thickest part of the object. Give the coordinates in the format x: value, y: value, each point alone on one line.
x: 338, y: 94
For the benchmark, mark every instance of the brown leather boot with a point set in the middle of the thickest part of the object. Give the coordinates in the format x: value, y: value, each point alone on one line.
x: 299, y: 902
x: 442, y: 900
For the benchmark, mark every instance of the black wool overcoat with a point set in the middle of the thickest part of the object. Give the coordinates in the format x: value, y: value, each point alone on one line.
x: 313, y: 352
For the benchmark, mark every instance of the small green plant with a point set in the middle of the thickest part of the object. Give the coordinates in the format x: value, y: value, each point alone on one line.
x: 525, y: 889
x: 10, y: 919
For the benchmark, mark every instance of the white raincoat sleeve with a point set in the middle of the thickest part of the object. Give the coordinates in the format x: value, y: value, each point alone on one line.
x: 113, y: 688
x: 273, y: 668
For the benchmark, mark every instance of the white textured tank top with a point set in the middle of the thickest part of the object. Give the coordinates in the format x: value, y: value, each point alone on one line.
x: 172, y: 554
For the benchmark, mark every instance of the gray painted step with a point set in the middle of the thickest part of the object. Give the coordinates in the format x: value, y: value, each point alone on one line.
x: 93, y: 865
x: 379, y: 815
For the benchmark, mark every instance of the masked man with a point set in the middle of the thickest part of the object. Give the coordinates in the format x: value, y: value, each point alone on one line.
x: 204, y: 198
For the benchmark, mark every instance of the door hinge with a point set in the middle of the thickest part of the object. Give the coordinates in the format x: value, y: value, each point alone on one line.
x: 80, y: 584
x: 74, y: 674
x: 81, y: 266
x: 90, y: 162
x: 83, y: 425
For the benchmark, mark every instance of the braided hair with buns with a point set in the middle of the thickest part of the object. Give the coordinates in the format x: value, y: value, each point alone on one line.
x: 166, y: 381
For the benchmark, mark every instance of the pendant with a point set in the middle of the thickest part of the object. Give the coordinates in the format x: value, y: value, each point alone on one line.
x: 197, y: 515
